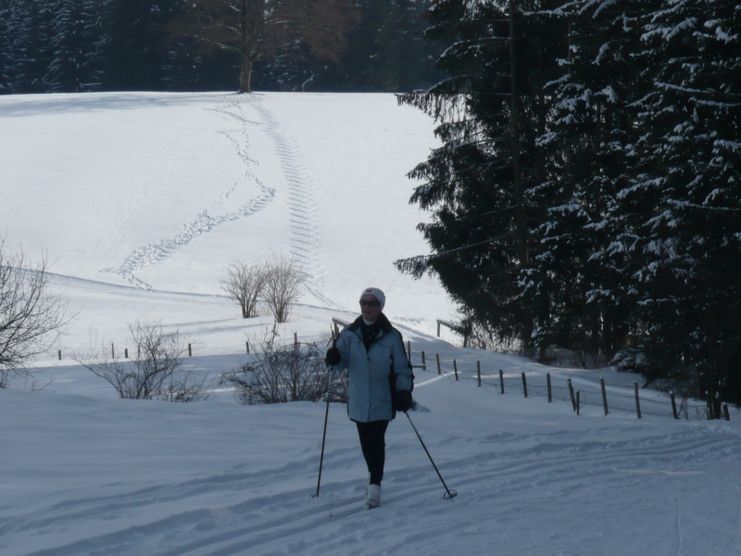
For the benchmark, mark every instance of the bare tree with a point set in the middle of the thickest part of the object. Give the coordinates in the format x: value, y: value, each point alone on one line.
x: 244, y: 283
x: 155, y: 372
x: 282, y: 279
x: 30, y: 317
x: 254, y: 29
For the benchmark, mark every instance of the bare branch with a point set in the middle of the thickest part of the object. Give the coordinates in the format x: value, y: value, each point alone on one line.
x: 155, y: 373
x: 30, y: 317
x: 282, y: 279
x: 244, y: 284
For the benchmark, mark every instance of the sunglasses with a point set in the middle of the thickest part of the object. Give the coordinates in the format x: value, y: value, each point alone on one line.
x: 370, y: 303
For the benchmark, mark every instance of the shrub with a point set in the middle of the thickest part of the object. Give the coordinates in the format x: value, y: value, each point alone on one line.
x: 286, y: 373
x: 282, y: 279
x: 155, y: 373
x: 244, y: 284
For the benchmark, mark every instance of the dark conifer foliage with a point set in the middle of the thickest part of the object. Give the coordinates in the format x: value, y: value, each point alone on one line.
x: 28, y: 51
x: 77, y: 45
x: 625, y: 114
x: 327, y: 45
x: 588, y: 145
x: 685, y: 201
x: 140, y: 48
x: 385, y: 50
x: 483, y: 224
x: 5, y: 53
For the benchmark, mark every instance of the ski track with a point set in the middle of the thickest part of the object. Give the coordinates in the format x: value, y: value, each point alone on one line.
x: 678, y: 526
x: 303, y: 229
x: 273, y: 514
x: 305, y: 237
x: 204, y: 221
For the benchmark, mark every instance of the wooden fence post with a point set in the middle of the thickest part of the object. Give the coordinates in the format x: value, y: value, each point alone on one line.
x: 437, y: 360
x: 708, y: 407
x: 126, y: 353
x: 59, y: 354
x: 638, y: 401
x: 190, y: 350
x: 438, y: 329
x: 571, y: 394
x: 578, y: 402
x: 709, y: 400
x: 604, y: 394
x: 247, y: 346
x: 674, y: 405
x: 717, y: 405
x: 295, y: 340
x: 424, y: 363
x: 501, y: 381
x: 524, y: 384
x: 455, y: 369
x: 548, y: 387
x: 113, y: 352
x: 478, y: 372
x: 726, y: 415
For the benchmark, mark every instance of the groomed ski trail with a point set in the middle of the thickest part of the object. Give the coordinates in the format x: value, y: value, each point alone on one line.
x: 305, y: 236
x: 264, y: 514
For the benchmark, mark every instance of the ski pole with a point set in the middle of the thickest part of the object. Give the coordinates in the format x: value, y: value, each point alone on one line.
x: 448, y: 493
x: 321, y: 458
x: 326, y: 416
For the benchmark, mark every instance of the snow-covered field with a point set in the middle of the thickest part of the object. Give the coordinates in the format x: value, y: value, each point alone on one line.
x: 164, y: 191
x: 139, y: 202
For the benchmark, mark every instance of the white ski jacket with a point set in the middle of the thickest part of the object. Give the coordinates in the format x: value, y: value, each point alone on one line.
x: 371, y: 372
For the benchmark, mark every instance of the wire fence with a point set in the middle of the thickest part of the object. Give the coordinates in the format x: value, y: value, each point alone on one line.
x: 113, y: 350
x: 514, y: 381
x: 579, y: 394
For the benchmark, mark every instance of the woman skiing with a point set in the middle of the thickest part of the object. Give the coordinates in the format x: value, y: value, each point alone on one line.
x: 380, y: 381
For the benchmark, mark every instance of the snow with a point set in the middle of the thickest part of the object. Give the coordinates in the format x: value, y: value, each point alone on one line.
x: 140, y: 200
x: 166, y: 190
x: 84, y: 474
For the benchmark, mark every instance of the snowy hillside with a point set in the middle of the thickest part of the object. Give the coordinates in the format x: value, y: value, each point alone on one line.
x: 164, y: 191
x: 141, y: 200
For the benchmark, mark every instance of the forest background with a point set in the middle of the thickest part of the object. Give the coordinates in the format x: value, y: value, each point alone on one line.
x: 173, y: 45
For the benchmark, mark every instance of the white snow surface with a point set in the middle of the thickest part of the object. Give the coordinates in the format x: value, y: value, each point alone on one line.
x: 140, y: 201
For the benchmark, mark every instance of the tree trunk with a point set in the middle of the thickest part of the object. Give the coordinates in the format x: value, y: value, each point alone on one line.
x: 520, y: 218
x: 520, y: 214
x: 245, y: 75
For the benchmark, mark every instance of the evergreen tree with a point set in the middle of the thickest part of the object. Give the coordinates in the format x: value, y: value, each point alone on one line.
x: 29, y: 51
x: 5, y: 53
x: 579, y: 277
x: 385, y: 51
x: 489, y: 110
x: 183, y: 65
x: 75, y: 45
x: 686, y: 197
x: 78, y: 44
x: 136, y: 52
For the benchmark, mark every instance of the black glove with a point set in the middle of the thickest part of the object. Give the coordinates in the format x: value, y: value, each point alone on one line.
x: 403, y: 400
x: 333, y: 356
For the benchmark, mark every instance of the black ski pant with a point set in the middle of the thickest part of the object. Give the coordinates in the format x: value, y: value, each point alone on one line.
x: 372, y: 441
